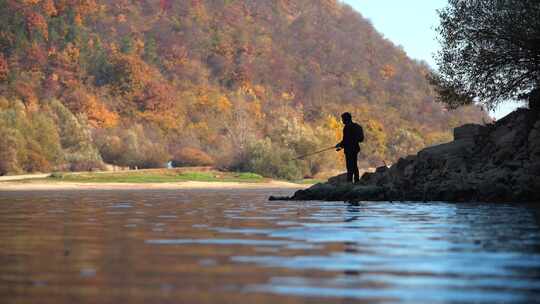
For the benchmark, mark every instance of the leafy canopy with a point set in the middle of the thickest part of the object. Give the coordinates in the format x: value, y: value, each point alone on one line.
x: 490, y: 51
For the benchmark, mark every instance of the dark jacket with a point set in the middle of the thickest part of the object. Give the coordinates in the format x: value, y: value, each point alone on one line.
x: 352, y: 136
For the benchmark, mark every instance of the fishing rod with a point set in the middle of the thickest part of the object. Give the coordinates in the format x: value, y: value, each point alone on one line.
x: 313, y: 153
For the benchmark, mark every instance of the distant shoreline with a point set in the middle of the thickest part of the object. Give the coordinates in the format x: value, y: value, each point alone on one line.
x: 186, y: 185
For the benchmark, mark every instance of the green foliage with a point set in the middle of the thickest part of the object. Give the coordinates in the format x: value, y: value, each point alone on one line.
x: 489, y: 51
x: 11, y: 143
x: 43, y: 140
x: 159, y: 176
x: 268, y: 159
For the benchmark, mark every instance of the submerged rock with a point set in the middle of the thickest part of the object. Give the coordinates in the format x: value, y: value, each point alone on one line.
x: 499, y: 162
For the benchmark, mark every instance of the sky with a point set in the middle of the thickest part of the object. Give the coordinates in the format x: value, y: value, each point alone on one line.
x: 411, y: 24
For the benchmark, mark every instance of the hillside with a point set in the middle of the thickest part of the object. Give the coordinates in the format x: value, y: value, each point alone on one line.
x: 243, y: 85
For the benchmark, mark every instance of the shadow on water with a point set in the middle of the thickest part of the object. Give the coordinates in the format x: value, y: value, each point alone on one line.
x: 234, y: 246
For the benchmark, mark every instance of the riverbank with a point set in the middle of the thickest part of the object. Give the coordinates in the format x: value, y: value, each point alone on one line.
x: 498, y: 162
x: 181, y: 178
x: 48, y: 185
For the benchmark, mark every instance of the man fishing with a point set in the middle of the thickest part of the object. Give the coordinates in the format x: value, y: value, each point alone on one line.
x: 353, y: 134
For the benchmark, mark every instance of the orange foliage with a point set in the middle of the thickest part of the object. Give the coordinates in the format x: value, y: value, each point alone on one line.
x: 49, y: 8
x: 85, y: 7
x: 78, y: 19
x: 98, y: 115
x: 157, y: 96
x: 192, y: 157
x: 36, y: 162
x: 36, y: 57
x: 121, y: 18
x: 388, y: 71
x: 223, y: 104
x: 35, y: 21
x: 176, y: 56
x: 25, y: 91
x: 30, y: 2
x: 4, y: 68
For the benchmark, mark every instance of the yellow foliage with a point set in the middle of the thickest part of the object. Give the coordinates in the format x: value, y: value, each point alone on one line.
x: 259, y: 90
x: 375, y: 141
x: 4, y: 103
x: 287, y: 95
x: 255, y: 110
x: 139, y: 45
x: 70, y: 54
x: 224, y: 104
x: 247, y: 90
x: 114, y: 48
x: 334, y: 125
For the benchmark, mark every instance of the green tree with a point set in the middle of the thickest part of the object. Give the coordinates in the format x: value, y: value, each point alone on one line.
x: 490, y: 51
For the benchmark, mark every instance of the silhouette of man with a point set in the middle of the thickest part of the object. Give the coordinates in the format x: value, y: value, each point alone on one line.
x: 353, y: 134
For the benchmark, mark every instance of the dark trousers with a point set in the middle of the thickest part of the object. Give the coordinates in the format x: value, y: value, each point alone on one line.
x: 351, y: 158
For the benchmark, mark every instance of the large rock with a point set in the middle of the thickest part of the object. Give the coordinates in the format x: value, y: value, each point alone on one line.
x: 469, y: 131
x: 499, y: 162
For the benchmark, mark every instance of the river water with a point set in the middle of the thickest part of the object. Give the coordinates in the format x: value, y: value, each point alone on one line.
x: 234, y: 246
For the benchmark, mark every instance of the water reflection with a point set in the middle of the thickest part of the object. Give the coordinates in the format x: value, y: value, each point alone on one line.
x: 234, y: 246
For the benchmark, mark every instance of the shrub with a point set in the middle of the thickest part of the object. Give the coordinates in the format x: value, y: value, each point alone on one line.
x: 86, y: 165
x: 9, y: 147
x: 58, y: 175
x: 268, y: 159
x: 35, y: 162
x: 190, y: 156
x: 139, y: 146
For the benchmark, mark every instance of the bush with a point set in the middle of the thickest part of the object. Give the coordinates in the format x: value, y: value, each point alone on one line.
x: 189, y: 156
x: 86, y: 165
x: 9, y: 147
x: 58, y: 175
x: 35, y: 162
x: 265, y: 158
x: 139, y: 146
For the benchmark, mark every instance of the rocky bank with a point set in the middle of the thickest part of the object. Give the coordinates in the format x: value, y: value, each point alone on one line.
x: 498, y: 162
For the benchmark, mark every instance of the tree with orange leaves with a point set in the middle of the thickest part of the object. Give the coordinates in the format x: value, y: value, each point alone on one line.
x: 36, y: 22
x: 4, y: 68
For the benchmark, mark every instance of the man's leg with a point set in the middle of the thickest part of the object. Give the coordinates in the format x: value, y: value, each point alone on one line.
x: 349, y: 158
x: 354, y: 163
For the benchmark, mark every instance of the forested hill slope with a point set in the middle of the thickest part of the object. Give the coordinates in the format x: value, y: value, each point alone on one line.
x: 240, y: 84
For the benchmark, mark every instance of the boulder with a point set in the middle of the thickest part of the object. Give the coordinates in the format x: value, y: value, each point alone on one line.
x: 469, y: 131
x: 338, y: 179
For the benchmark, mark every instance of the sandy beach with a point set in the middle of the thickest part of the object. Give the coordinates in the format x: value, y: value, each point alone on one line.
x: 44, y: 185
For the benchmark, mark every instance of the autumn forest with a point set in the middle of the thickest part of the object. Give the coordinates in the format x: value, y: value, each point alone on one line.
x: 240, y: 85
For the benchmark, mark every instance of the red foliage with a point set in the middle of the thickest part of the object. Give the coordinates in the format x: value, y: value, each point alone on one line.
x: 165, y: 5
x: 37, y: 22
